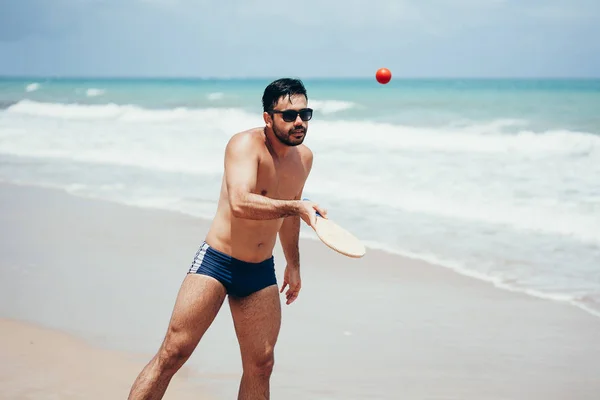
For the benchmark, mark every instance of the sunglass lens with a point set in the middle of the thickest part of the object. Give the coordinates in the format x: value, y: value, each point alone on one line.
x: 289, y: 115
x: 306, y: 115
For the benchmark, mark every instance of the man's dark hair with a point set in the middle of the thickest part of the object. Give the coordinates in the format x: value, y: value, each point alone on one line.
x: 281, y: 87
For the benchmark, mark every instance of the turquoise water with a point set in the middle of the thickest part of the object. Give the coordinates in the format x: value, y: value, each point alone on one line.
x: 543, y: 104
x: 497, y: 179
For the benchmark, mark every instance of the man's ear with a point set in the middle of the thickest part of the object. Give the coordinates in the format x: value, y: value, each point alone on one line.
x: 268, y: 119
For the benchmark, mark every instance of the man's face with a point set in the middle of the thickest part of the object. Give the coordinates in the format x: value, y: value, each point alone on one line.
x: 291, y: 131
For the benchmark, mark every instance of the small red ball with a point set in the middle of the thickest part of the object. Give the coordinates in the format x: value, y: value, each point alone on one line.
x: 383, y: 75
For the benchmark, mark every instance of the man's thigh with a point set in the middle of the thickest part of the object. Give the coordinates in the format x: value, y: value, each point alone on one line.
x: 198, y: 302
x: 257, y: 320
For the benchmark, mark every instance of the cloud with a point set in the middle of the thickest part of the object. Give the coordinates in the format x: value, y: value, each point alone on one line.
x: 331, y: 37
x: 41, y: 18
x: 563, y: 12
x: 24, y: 18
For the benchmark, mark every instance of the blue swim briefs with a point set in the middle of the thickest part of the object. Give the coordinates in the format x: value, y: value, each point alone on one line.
x: 240, y: 278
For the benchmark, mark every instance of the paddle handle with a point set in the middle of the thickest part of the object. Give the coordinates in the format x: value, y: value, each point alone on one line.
x: 306, y: 199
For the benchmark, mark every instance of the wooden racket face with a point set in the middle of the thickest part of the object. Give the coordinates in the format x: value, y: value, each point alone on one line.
x: 338, y: 238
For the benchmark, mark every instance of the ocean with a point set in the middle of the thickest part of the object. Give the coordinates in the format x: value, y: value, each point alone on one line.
x: 498, y: 179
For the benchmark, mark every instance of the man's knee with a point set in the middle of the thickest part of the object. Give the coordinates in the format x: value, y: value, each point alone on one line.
x: 262, y: 364
x: 174, y: 352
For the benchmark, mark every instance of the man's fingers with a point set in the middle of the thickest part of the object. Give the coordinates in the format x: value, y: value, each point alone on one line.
x: 322, y: 211
x: 283, y: 286
x: 292, y: 294
x: 292, y: 298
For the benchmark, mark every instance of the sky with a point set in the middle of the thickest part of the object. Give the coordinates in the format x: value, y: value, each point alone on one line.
x: 312, y: 38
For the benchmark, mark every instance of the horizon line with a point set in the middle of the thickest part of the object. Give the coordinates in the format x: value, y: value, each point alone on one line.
x: 314, y: 77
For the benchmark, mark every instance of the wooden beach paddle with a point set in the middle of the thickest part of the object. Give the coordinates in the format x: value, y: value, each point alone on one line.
x: 338, y: 238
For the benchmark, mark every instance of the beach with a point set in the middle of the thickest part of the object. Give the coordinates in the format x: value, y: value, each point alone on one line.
x: 41, y: 363
x: 506, y: 167
x: 87, y: 287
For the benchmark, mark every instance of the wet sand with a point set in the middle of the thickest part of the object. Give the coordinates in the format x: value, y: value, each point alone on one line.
x: 90, y: 280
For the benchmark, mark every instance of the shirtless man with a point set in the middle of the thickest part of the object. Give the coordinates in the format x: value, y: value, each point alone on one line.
x: 265, y: 172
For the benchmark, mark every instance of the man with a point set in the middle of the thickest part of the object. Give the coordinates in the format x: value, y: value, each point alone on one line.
x: 264, y: 175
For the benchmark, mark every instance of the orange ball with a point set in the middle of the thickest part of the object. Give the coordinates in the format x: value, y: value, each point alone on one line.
x: 383, y: 75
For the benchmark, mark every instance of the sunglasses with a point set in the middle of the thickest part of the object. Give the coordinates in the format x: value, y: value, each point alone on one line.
x: 291, y: 115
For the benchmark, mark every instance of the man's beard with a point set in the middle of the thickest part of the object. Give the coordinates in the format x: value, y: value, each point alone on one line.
x: 288, y: 138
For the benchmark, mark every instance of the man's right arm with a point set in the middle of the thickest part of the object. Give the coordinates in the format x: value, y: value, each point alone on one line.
x: 241, y: 169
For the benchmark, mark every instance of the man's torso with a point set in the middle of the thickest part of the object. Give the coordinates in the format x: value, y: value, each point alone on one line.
x: 254, y: 240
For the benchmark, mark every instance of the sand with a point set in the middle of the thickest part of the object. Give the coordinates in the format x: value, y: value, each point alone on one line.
x: 89, y: 280
x: 40, y: 363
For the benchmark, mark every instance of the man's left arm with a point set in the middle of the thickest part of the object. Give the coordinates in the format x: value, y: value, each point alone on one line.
x: 289, y: 235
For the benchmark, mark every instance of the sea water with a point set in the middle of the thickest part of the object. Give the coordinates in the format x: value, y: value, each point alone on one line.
x: 496, y: 179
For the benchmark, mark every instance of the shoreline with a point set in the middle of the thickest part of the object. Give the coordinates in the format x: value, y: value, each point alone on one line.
x: 431, y: 260
x: 559, y: 298
x: 108, y: 273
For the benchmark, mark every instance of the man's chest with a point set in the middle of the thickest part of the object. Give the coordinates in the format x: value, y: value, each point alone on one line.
x: 280, y: 181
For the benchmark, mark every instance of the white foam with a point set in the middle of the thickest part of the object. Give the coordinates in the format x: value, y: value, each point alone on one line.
x: 479, y: 138
x: 32, y: 87
x: 150, y: 156
x: 476, y: 138
x: 93, y: 92
x: 438, y: 180
x: 67, y: 111
x: 330, y: 106
x: 127, y: 113
x: 189, y: 141
x: 215, y: 96
x: 557, y: 220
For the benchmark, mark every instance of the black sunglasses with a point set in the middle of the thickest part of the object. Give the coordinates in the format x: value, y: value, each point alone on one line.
x: 291, y: 115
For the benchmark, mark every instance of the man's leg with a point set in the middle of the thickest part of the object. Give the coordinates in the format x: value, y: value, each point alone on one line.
x: 257, y: 319
x: 198, y: 302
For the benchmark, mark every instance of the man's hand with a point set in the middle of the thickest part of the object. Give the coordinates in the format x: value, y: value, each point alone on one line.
x: 291, y: 277
x: 308, y: 212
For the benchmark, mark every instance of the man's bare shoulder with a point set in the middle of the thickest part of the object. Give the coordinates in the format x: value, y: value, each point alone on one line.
x: 306, y: 155
x: 251, y: 139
